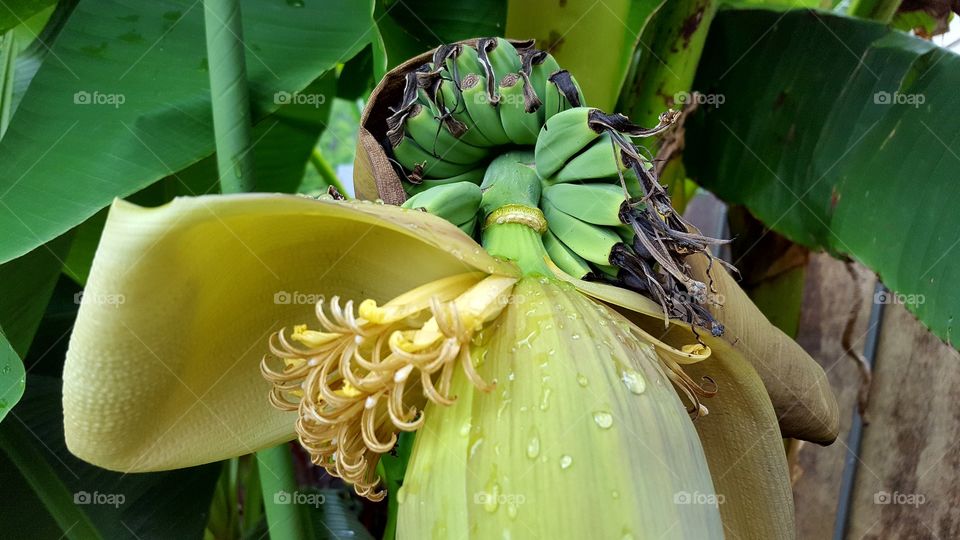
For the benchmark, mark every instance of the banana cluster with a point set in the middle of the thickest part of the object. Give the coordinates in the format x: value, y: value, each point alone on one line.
x: 464, y: 128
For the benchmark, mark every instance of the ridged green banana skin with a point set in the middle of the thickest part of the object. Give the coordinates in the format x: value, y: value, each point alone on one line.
x: 409, y: 154
x: 591, y: 242
x: 474, y: 176
x: 485, y: 116
x: 453, y: 101
x: 504, y: 59
x: 426, y: 129
x: 598, y: 204
x: 457, y: 203
x: 564, y: 258
x: 522, y: 127
x: 562, y: 137
x: 600, y: 160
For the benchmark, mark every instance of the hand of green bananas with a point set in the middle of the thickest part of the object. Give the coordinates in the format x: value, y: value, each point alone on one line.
x: 608, y: 217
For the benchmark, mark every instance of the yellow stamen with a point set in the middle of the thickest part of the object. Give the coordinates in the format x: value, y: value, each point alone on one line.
x: 355, y: 385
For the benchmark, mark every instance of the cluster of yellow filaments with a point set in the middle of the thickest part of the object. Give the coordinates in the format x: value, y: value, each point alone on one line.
x: 365, y: 376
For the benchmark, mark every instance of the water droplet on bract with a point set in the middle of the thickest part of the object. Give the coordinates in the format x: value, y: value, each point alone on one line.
x: 566, y: 462
x: 465, y: 428
x: 512, y: 512
x: 511, y: 376
x: 615, y: 494
x: 575, y: 336
x: 402, y: 495
x: 507, y: 535
x: 491, y: 498
x: 533, y: 446
x: 582, y: 380
x: 633, y: 381
x: 603, y: 419
x: 295, y: 3
x: 475, y: 446
x: 545, y: 398
x: 6, y: 369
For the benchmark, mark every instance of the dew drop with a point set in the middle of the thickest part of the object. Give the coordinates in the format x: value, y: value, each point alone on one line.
x: 615, y: 494
x: 492, y: 496
x: 545, y: 398
x: 512, y: 512
x: 402, y: 494
x: 533, y: 446
x: 465, y: 428
x: 565, y: 462
x: 603, y: 419
x: 582, y: 380
x: 475, y: 446
x: 575, y: 337
x: 633, y: 381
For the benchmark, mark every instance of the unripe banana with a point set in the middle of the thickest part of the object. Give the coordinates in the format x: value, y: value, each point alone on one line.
x: 420, y: 163
x: 474, y: 176
x: 463, y: 62
x: 484, y: 114
x: 457, y: 203
x: 470, y: 227
x: 500, y: 58
x: 598, y: 204
x: 564, y: 258
x: 452, y: 100
x: 562, y: 137
x: 521, y: 126
x: 602, y: 159
x: 539, y: 76
x: 431, y: 135
x: 592, y: 242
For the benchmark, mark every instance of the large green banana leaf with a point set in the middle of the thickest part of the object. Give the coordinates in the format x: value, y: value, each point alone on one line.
x: 839, y: 134
x: 122, y: 100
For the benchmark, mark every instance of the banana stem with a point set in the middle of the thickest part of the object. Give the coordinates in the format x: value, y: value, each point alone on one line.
x: 519, y: 243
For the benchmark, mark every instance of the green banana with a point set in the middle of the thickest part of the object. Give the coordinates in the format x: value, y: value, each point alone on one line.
x: 564, y: 258
x: 432, y: 136
x: 474, y: 176
x: 562, y: 137
x: 598, y: 204
x: 457, y: 203
x: 602, y: 159
x: 484, y: 114
x: 417, y: 160
x: 452, y: 99
x: 539, y: 75
x: 503, y: 58
x: 522, y: 127
x: 592, y: 242
x: 465, y: 61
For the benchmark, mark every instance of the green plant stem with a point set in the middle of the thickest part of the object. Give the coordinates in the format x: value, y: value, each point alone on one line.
x: 278, y: 484
x: 326, y: 171
x: 230, y: 95
x: 519, y: 243
x: 875, y: 10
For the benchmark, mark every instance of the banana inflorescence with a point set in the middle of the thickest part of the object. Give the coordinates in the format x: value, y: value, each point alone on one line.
x: 499, y: 124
